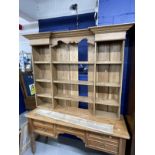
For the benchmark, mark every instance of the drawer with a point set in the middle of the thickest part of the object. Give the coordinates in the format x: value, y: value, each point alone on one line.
x: 43, y: 126
x: 102, y: 146
x: 69, y: 130
x: 102, y: 138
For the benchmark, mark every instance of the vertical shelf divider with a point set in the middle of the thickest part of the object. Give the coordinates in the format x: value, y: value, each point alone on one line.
x: 33, y: 69
x: 121, y: 77
x: 94, y: 110
x: 52, y: 84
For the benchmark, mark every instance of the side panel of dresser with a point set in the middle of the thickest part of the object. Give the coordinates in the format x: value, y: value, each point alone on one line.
x: 101, y: 142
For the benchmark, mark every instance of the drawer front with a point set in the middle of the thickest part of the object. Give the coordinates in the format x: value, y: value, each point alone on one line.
x: 102, y: 138
x: 102, y: 146
x: 43, y: 126
x: 69, y: 130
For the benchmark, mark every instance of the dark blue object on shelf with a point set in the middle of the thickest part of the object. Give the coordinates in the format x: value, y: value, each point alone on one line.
x: 83, y: 71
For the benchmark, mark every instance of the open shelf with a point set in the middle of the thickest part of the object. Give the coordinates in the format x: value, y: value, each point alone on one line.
x: 44, y: 101
x: 41, y: 53
x: 108, y: 74
x: 109, y: 52
x: 107, y: 96
x: 107, y: 102
x: 72, y: 110
x: 74, y: 98
x: 105, y: 114
x: 43, y: 88
x: 43, y: 80
x: 46, y: 105
x: 73, y: 82
x: 84, y: 113
x: 110, y: 111
x: 42, y: 71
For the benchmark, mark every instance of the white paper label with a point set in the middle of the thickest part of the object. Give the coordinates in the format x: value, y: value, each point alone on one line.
x: 106, y: 128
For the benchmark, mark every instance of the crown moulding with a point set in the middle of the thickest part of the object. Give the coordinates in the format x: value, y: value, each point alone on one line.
x: 72, y: 33
x: 83, y: 32
x: 111, y: 28
x: 38, y: 35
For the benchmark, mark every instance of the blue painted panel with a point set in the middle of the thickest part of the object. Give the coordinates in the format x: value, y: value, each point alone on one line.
x: 116, y: 12
x: 21, y: 101
x: 66, y: 23
x: 83, y: 91
x: 83, y: 71
x: 83, y: 105
x: 83, y: 50
x: 125, y: 77
x: 127, y: 69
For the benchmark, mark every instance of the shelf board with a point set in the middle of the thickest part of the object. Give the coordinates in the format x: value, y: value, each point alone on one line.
x: 44, y: 95
x: 72, y: 110
x: 105, y: 114
x: 45, y: 105
x: 85, y: 113
x: 108, y: 62
x: 43, y: 80
x: 87, y: 62
x: 73, y: 62
x: 107, y: 102
x: 74, y: 98
x: 73, y: 82
x: 42, y: 62
x: 107, y: 84
x: 87, y: 83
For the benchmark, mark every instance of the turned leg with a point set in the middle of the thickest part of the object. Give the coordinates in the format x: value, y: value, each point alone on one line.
x: 33, y: 144
x: 32, y: 137
x: 122, y: 146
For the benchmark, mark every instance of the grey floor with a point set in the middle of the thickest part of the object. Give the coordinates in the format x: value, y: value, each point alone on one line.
x: 62, y: 146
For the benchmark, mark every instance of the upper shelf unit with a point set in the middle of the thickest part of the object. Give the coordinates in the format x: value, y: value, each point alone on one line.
x: 56, y: 62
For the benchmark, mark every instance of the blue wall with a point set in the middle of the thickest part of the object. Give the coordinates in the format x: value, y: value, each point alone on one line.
x: 116, y: 12
x: 66, y: 23
x: 128, y: 62
x: 21, y: 101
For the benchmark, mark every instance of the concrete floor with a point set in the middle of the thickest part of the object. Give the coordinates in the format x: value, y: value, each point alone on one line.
x: 62, y: 146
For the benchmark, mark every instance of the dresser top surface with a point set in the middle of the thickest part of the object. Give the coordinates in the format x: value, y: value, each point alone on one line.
x: 119, y: 126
